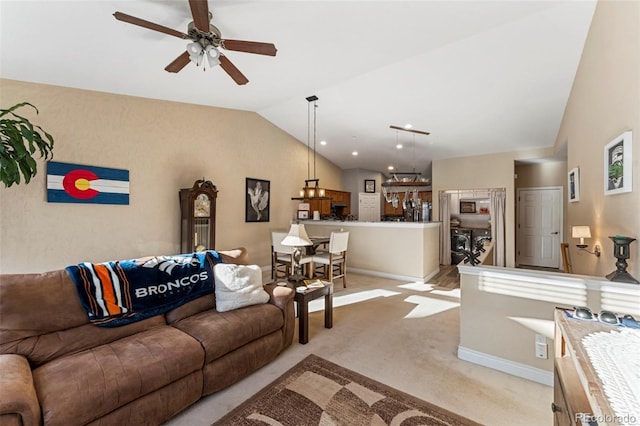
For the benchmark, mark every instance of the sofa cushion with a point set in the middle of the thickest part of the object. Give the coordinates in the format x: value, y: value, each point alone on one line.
x: 42, y: 318
x: 222, y: 332
x: 237, y: 286
x: 82, y: 387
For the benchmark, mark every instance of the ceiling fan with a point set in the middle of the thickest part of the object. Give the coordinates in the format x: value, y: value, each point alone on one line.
x: 206, y: 40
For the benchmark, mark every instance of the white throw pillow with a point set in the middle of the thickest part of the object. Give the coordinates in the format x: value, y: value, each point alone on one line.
x: 238, y: 286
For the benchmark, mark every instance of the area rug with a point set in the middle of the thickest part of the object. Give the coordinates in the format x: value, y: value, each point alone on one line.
x: 318, y: 392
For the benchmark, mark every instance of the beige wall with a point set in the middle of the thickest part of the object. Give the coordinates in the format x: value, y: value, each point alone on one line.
x: 404, y: 251
x: 605, y: 102
x: 502, y: 309
x: 542, y: 175
x: 165, y: 146
x: 484, y: 172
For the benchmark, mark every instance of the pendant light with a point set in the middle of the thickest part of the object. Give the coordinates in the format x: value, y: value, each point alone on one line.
x: 311, y: 189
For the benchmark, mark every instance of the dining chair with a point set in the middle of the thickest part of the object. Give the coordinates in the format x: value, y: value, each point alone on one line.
x: 282, y: 257
x: 334, y: 262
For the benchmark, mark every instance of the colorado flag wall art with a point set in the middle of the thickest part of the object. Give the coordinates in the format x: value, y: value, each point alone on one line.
x: 73, y: 183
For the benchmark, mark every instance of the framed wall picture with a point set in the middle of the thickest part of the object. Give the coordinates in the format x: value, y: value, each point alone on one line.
x: 574, y: 185
x: 257, y: 200
x: 617, y: 165
x: 467, y: 206
x: 303, y: 214
x: 369, y: 185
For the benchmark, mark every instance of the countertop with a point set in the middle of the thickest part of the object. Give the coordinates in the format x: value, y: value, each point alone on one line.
x: 355, y: 223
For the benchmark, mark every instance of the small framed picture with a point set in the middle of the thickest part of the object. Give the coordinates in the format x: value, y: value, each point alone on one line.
x: 304, y: 206
x: 617, y: 165
x: 303, y: 214
x: 369, y: 185
x: 257, y: 200
x: 574, y: 185
x: 467, y: 206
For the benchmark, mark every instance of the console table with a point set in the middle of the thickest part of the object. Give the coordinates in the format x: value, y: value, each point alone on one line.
x: 578, y: 391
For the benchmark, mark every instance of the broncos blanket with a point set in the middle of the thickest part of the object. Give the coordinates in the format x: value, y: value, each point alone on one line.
x: 120, y: 292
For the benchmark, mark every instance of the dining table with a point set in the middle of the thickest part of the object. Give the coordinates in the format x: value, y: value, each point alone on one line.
x: 317, y: 241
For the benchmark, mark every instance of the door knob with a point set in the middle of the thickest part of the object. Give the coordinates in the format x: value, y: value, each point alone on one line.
x: 555, y: 233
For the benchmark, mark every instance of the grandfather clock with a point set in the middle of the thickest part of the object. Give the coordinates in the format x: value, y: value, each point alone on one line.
x: 198, y: 217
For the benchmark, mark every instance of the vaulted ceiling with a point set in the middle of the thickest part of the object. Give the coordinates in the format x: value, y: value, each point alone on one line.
x: 480, y: 76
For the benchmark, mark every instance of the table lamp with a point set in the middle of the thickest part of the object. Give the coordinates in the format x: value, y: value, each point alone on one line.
x: 297, y: 238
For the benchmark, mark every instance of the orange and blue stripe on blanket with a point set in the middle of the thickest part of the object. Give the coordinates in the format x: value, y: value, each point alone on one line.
x: 119, y: 292
x: 107, y: 284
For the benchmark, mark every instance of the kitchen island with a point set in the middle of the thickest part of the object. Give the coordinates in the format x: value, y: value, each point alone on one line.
x: 399, y: 250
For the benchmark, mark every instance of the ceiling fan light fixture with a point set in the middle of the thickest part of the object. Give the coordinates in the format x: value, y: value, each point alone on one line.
x: 196, y: 52
x: 213, y: 56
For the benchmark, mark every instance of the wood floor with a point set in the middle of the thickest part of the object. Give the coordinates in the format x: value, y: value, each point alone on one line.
x: 448, y: 277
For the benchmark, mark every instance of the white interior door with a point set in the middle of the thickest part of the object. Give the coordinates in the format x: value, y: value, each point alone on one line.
x: 369, y: 207
x: 539, y: 226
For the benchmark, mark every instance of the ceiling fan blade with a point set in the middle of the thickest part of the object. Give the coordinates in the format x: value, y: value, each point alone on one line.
x: 178, y: 63
x: 233, y: 72
x: 409, y: 130
x: 268, y: 49
x: 200, y: 13
x: 149, y: 25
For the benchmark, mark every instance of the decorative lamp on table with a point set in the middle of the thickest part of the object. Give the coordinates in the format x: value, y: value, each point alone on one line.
x: 297, y: 238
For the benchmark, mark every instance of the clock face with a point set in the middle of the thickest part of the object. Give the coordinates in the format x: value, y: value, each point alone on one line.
x: 202, y: 206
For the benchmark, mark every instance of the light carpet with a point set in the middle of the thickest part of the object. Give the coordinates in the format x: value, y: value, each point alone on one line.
x: 318, y: 392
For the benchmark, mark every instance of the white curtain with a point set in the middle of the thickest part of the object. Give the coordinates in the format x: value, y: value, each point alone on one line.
x: 498, y: 198
x: 445, y: 230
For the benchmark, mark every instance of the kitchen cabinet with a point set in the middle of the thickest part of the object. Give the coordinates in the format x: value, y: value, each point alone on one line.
x: 331, y: 196
x: 389, y: 210
x: 323, y: 206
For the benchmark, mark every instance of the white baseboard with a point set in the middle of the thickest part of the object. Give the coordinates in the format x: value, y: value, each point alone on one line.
x: 510, y: 367
x: 392, y: 276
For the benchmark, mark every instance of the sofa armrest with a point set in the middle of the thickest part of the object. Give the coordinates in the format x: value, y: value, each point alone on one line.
x: 18, y: 400
x: 282, y: 297
x: 279, y: 295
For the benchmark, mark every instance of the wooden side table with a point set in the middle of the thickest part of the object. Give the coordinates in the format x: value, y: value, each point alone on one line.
x: 303, y: 299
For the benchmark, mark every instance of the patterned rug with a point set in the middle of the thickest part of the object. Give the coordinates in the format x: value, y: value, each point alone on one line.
x: 318, y: 392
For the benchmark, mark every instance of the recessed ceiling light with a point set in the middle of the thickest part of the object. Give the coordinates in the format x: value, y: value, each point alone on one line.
x: 399, y: 146
x: 408, y: 126
x: 323, y: 142
x: 354, y: 153
x: 390, y: 168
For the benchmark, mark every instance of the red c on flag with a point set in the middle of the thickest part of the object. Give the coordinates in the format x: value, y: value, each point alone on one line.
x: 77, y: 184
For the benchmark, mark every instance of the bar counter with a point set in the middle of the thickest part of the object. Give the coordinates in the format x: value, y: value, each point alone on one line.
x: 398, y: 250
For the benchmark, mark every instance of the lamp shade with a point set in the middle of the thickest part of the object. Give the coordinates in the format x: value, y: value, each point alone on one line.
x: 196, y: 52
x: 581, y: 232
x: 297, y: 236
x: 213, y: 56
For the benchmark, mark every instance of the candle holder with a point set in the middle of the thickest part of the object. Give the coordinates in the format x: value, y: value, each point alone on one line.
x: 621, y: 252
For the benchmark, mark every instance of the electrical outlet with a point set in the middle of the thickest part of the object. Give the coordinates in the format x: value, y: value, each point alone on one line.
x: 541, y: 350
x: 541, y: 346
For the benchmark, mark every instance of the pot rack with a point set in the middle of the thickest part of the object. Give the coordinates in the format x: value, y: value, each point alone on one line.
x: 409, y: 183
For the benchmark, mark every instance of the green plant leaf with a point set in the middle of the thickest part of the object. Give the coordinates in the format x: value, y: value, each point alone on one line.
x: 20, y: 141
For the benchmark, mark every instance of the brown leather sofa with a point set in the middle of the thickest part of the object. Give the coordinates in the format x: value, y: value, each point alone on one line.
x: 58, y: 369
